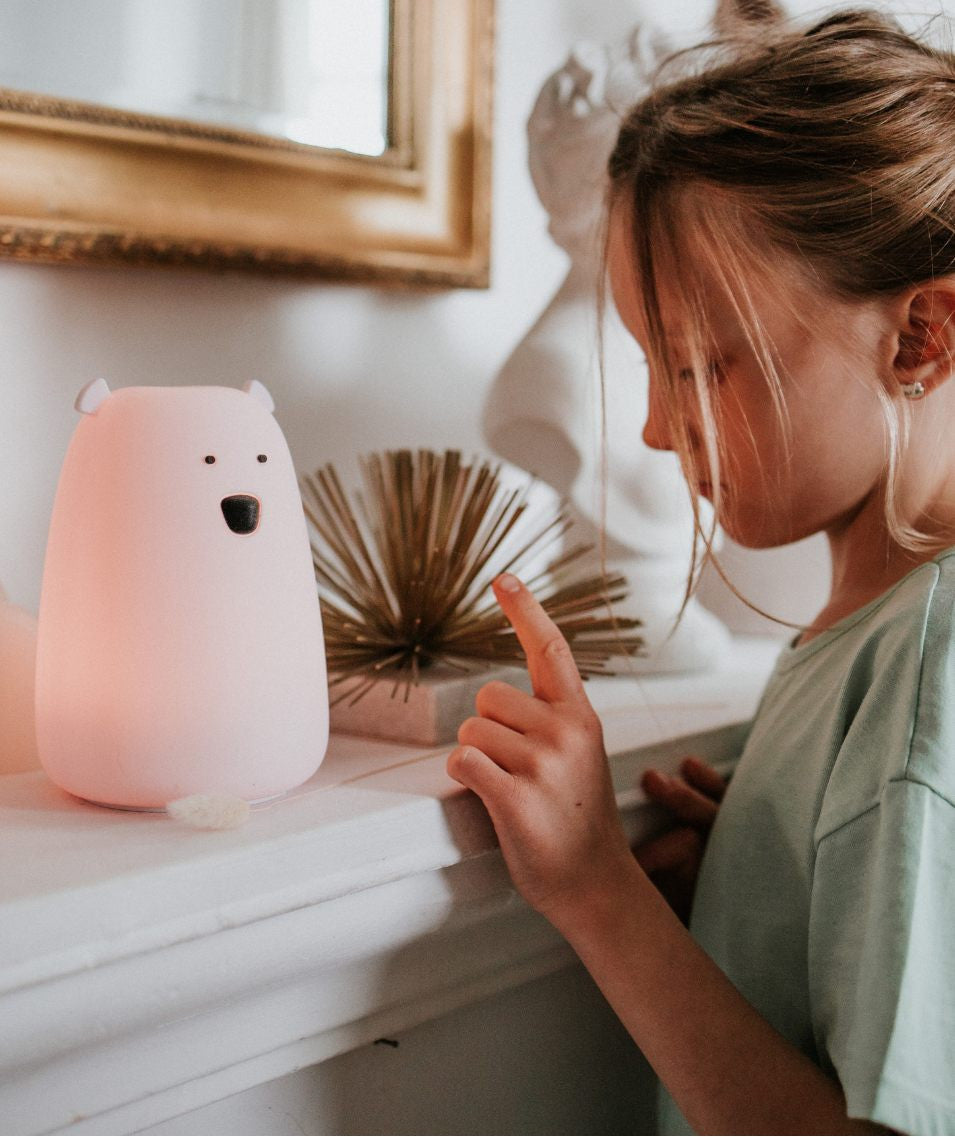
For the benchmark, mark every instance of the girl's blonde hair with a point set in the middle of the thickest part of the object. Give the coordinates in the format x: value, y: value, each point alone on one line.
x: 833, y: 143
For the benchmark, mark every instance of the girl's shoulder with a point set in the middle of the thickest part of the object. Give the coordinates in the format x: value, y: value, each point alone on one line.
x: 931, y: 759
x: 881, y: 686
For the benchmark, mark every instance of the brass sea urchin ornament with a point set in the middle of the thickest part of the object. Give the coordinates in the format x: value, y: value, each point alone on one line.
x: 404, y: 580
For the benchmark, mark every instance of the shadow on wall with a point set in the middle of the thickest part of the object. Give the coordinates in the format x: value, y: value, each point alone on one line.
x: 546, y: 1057
x: 790, y: 583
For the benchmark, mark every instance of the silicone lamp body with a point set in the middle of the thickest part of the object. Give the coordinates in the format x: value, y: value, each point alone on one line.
x: 179, y: 643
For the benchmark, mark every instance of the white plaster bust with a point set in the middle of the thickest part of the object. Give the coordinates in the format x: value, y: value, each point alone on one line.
x: 543, y: 412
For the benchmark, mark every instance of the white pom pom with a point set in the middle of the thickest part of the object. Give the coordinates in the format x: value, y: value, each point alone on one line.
x: 210, y: 811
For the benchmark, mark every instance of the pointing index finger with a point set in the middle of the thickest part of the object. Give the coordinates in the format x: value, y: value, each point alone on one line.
x: 553, y: 671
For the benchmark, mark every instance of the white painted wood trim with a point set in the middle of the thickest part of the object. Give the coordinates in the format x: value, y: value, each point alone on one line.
x: 147, y: 969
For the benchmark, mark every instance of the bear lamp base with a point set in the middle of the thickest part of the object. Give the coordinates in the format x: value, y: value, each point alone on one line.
x: 179, y: 645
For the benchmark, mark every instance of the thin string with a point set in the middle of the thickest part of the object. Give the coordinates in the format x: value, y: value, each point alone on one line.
x: 610, y: 713
x: 293, y: 794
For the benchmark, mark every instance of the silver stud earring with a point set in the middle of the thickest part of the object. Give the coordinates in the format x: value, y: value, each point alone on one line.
x: 914, y: 390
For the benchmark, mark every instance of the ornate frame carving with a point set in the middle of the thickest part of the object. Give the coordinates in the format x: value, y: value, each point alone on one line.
x: 80, y: 183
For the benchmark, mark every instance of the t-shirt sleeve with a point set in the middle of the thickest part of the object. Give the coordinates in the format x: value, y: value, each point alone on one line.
x: 882, y: 959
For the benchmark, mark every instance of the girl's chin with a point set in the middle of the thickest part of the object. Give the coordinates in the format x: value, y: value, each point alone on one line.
x: 754, y: 531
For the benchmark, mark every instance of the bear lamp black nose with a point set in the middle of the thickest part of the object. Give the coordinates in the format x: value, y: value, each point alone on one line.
x: 241, y: 512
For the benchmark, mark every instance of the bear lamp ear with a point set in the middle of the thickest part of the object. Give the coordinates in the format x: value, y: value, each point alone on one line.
x: 259, y: 391
x: 92, y: 397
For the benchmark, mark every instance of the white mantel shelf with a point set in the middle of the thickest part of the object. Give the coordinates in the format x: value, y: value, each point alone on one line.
x: 147, y: 969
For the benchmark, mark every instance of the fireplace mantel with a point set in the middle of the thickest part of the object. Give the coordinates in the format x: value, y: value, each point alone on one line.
x: 147, y: 969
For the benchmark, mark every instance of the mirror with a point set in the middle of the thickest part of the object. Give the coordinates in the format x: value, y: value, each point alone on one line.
x: 342, y: 138
x: 312, y: 71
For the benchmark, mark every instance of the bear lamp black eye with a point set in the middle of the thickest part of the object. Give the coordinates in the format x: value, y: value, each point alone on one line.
x: 263, y: 457
x: 210, y: 458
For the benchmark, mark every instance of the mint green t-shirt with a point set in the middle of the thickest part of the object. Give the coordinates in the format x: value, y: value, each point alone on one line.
x: 827, y: 891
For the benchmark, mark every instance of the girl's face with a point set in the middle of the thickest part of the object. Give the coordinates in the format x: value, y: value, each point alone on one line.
x: 828, y: 355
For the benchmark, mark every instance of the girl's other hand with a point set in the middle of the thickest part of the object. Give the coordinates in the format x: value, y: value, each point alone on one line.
x: 539, y: 765
x: 672, y: 860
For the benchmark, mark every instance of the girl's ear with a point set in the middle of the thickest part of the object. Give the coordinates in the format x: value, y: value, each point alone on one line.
x: 926, y: 335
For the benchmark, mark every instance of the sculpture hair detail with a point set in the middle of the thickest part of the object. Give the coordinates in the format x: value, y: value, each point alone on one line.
x: 832, y: 144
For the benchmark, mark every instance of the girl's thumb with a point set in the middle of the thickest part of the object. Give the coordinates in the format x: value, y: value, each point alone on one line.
x: 672, y: 850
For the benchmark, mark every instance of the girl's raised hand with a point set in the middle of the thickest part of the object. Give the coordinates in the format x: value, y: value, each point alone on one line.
x: 539, y: 765
x: 672, y: 860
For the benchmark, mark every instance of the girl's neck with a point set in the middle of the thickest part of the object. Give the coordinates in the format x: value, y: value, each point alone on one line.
x: 866, y: 562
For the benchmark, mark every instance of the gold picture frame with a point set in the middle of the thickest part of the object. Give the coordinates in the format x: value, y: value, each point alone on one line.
x: 84, y: 184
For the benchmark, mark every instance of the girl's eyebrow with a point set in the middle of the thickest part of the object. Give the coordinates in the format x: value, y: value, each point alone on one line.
x: 710, y: 345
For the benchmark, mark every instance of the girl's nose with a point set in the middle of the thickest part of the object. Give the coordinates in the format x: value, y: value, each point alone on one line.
x: 656, y: 434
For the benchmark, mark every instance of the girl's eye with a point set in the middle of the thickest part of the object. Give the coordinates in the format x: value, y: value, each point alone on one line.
x: 714, y: 373
x: 263, y: 458
x: 210, y: 458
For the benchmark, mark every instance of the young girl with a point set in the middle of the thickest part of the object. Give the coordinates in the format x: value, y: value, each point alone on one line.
x: 782, y: 245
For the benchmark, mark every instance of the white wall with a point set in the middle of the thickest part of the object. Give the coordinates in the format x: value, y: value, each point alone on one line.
x: 352, y: 369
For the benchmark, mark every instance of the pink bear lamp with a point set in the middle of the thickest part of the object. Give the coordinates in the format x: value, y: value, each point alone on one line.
x: 179, y: 646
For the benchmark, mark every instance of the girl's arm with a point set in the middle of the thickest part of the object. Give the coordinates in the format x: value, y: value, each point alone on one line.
x: 727, y: 1068
x: 539, y: 765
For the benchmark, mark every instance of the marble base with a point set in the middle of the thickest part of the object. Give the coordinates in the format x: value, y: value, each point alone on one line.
x: 435, y: 709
